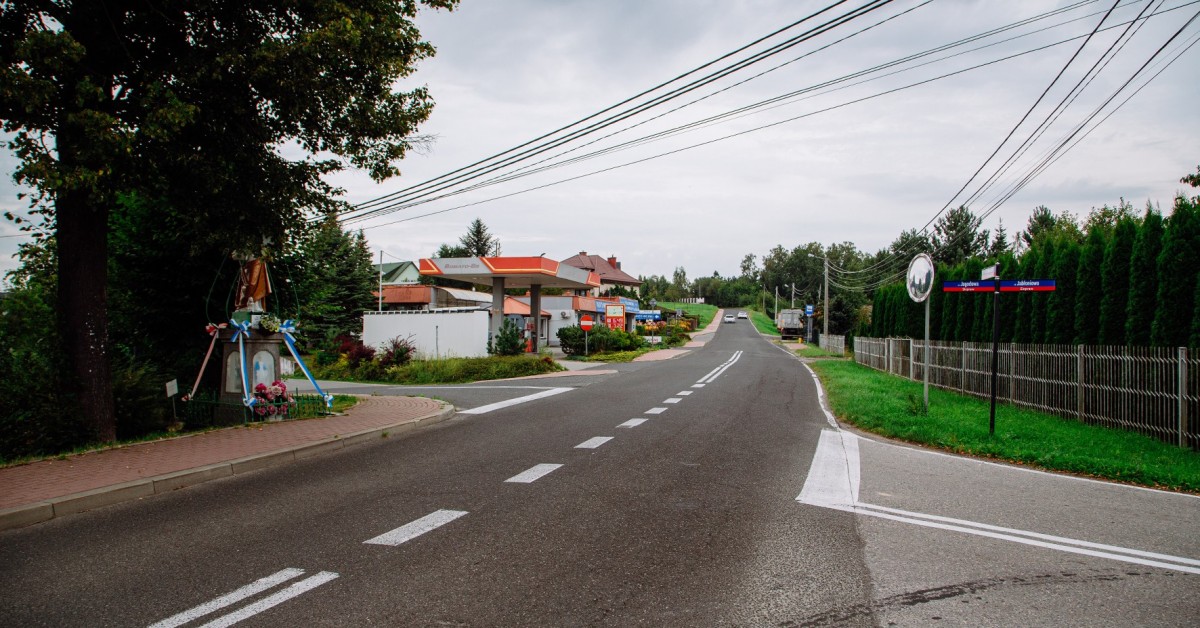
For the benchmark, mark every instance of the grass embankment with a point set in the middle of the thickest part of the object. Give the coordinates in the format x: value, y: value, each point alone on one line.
x: 616, y: 356
x: 706, y: 312
x: 763, y: 323
x: 442, y: 371
x: 813, y: 351
x: 891, y: 406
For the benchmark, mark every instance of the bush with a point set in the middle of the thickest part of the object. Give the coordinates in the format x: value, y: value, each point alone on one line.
x: 359, y: 353
x: 600, y: 339
x: 396, y: 352
x: 508, y: 341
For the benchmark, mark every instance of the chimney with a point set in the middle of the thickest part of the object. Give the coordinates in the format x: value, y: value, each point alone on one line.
x: 583, y: 254
x: 612, y: 261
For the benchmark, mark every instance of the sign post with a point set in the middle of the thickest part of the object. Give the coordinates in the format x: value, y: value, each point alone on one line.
x: 920, y: 284
x: 585, y: 324
x: 997, y: 286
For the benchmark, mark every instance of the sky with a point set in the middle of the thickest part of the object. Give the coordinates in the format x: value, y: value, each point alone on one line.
x: 858, y: 164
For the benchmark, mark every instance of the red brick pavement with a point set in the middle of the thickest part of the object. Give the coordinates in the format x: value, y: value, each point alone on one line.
x: 49, y: 479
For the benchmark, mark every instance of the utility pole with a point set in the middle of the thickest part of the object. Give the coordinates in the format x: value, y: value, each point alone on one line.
x: 825, y: 314
x: 776, y: 302
x: 380, y: 280
x: 793, y: 296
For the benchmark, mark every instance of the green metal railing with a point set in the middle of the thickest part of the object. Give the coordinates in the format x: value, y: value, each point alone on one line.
x: 207, y: 410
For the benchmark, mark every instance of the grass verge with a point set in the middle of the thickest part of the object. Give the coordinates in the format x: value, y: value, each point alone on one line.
x: 892, y: 406
x: 706, y: 312
x: 813, y: 351
x: 616, y: 356
x: 763, y: 323
x: 462, y: 370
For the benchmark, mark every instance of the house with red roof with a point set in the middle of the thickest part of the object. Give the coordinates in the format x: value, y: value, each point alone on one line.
x: 609, y: 271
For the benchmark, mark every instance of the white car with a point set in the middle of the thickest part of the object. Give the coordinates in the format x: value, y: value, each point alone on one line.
x: 729, y: 318
x: 742, y: 315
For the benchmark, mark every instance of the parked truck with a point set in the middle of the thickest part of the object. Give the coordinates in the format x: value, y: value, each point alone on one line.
x: 790, y: 323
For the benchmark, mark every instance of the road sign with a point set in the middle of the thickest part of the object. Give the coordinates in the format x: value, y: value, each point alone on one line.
x: 920, y: 278
x: 808, y: 310
x: 1027, y: 285
x: 967, y: 286
x: 586, y: 323
x: 614, y: 316
x: 990, y: 272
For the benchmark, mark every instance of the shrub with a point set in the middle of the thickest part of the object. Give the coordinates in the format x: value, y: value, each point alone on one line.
x: 358, y: 353
x: 396, y: 352
x: 508, y: 341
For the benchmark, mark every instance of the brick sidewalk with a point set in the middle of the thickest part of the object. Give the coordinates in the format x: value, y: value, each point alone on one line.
x: 147, y: 468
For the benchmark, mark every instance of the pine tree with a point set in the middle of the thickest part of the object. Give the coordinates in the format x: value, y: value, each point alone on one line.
x: 1178, y: 264
x: 1023, y: 326
x: 1045, y: 270
x: 1143, y: 280
x: 1088, y: 282
x: 950, y: 305
x: 1060, y: 308
x: 1114, y: 282
x: 970, y: 302
x: 478, y: 242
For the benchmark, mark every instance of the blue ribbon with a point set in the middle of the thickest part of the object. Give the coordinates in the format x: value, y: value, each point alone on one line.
x: 286, y: 328
x: 243, y: 328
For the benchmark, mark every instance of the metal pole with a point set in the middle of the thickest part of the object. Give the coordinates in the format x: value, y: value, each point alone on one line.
x: 927, y: 300
x: 1182, y: 403
x: 380, y: 280
x: 995, y: 350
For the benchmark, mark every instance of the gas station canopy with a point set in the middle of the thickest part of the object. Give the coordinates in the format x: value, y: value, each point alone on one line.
x: 517, y: 272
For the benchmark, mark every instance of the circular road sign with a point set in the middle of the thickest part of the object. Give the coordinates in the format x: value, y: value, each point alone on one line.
x: 920, y: 278
x: 586, y: 323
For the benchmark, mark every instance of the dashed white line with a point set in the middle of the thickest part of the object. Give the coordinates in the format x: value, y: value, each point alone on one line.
x: 633, y: 422
x: 533, y: 474
x: 684, y: 393
x: 697, y: 385
x: 292, y: 591
x: 233, y: 597
x: 672, y: 400
x: 512, y: 402
x: 410, y: 531
x: 594, y: 442
x: 656, y: 411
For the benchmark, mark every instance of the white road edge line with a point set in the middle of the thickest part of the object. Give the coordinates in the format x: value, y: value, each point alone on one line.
x: 412, y: 530
x: 276, y: 599
x: 633, y: 422
x: 533, y: 473
x: 593, y: 442
x: 833, y: 482
x: 233, y: 597
x: 512, y: 402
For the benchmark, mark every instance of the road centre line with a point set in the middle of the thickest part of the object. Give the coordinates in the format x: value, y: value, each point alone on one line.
x: 684, y: 393
x: 233, y: 597
x: 833, y: 482
x: 512, y: 402
x: 593, y: 442
x: 276, y: 599
x: 697, y: 385
x: 672, y: 400
x: 655, y: 411
x: 412, y: 530
x: 715, y: 373
x: 533, y: 473
x: 633, y: 422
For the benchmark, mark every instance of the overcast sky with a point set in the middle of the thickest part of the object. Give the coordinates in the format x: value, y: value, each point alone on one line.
x: 508, y: 72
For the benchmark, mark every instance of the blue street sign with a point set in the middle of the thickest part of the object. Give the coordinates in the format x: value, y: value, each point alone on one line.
x: 1027, y: 285
x: 808, y: 310
x: 966, y: 286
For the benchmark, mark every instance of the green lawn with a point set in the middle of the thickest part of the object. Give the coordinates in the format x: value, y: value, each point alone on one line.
x: 813, y: 351
x: 763, y: 323
x: 706, y: 312
x: 891, y: 406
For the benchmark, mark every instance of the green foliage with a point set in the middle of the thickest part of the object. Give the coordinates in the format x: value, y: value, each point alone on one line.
x: 478, y: 241
x: 1088, y: 282
x: 1143, y: 279
x: 599, y: 340
x: 1178, y: 266
x: 396, y: 352
x: 957, y: 238
x: 508, y: 341
x: 1114, y: 282
x: 1060, y: 306
x: 1045, y: 270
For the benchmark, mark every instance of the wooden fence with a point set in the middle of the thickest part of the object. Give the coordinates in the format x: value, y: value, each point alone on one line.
x: 1151, y: 390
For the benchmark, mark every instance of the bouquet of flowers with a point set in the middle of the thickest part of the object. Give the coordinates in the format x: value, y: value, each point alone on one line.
x: 273, y: 400
x: 269, y: 322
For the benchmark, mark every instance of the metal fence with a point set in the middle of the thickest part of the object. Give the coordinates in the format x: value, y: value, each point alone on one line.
x: 207, y: 410
x: 833, y: 344
x: 1151, y: 390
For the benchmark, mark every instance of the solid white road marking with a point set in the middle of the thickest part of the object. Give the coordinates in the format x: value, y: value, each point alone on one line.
x: 715, y: 373
x: 684, y: 393
x: 410, y: 531
x: 833, y: 482
x: 594, y: 442
x: 672, y: 400
x: 533, y: 474
x: 633, y: 422
x: 513, y: 402
x: 656, y: 411
x: 829, y: 418
x: 292, y: 591
x: 254, y: 588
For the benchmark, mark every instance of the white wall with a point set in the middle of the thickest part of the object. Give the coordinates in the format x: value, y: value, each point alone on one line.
x: 445, y: 333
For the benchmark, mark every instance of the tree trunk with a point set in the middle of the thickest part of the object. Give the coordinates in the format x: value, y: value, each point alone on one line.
x: 82, y: 232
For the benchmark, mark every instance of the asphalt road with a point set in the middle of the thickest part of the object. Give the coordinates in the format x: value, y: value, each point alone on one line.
x: 668, y: 509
